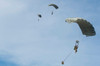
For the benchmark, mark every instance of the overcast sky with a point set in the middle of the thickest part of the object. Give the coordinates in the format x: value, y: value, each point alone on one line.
x: 26, y: 42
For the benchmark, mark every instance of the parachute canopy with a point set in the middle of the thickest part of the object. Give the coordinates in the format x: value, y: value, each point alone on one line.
x: 39, y: 15
x: 85, y: 26
x: 54, y: 5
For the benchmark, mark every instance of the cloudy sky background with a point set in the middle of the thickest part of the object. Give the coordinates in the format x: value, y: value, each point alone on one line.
x: 26, y: 42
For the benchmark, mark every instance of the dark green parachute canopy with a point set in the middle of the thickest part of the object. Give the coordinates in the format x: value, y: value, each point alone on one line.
x: 85, y: 26
x: 39, y: 15
x: 54, y: 5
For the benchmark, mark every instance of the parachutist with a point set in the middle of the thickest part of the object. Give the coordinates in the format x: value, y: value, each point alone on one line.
x: 76, y: 46
x: 52, y: 13
x: 55, y: 6
x: 38, y: 20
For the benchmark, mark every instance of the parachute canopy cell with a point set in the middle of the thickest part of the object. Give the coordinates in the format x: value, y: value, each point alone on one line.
x: 54, y: 5
x: 85, y: 26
